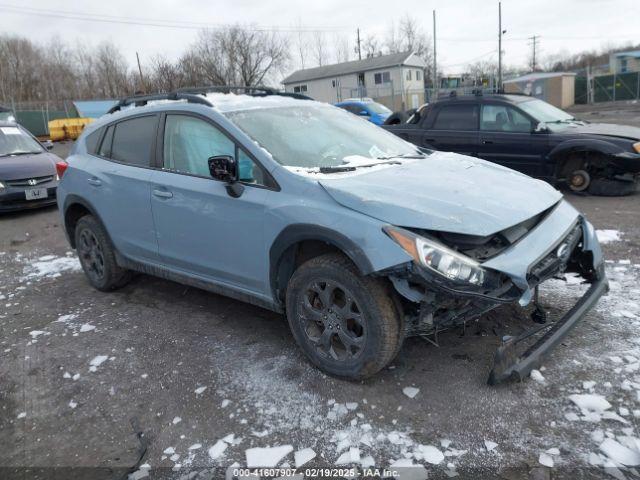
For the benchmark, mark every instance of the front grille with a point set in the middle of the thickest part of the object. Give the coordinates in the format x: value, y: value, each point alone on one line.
x: 555, y: 262
x: 29, y: 182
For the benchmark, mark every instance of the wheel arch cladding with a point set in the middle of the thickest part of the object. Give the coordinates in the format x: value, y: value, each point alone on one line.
x: 302, y: 242
x: 574, y: 146
x: 75, y: 208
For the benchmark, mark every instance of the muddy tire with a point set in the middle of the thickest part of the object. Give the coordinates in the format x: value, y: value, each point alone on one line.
x: 612, y: 188
x: 97, y: 256
x: 345, y: 323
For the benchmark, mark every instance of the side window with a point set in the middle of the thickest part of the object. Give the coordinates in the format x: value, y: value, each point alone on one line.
x: 189, y: 142
x: 501, y: 118
x: 92, y: 141
x: 457, y: 117
x: 105, y: 147
x: 133, y: 140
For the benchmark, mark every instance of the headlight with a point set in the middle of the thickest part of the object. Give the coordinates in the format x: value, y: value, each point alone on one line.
x: 1, y: 186
x: 441, y: 259
x: 636, y: 147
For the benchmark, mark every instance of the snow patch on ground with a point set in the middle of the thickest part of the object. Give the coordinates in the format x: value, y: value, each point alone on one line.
x: 50, y: 266
x: 608, y: 236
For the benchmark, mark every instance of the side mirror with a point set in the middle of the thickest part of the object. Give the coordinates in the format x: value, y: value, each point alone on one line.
x: 225, y: 168
x: 48, y: 144
x: 540, y: 128
x: 363, y: 113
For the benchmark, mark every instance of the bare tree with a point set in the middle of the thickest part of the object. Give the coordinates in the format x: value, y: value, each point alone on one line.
x: 235, y: 55
x: 341, y: 48
x: 371, y: 47
x: 319, y: 48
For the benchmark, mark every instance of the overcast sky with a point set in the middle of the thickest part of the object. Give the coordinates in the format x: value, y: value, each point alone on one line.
x: 466, y: 29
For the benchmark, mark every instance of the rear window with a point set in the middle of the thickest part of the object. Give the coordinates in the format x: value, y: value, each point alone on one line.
x: 457, y: 117
x: 133, y: 140
x: 105, y: 147
x: 92, y: 141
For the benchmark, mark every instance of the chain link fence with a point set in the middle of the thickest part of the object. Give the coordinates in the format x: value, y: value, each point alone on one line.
x: 35, y: 116
x: 608, y: 88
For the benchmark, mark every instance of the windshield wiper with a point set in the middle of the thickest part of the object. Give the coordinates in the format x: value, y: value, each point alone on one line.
x: 404, y: 155
x: 350, y: 168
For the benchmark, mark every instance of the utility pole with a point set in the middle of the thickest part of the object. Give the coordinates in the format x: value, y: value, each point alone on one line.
x: 435, y: 68
x: 359, y: 49
x: 142, y: 87
x: 534, y: 42
x: 500, y: 47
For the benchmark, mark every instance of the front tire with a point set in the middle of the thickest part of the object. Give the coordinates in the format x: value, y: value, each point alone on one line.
x: 97, y: 256
x: 345, y: 323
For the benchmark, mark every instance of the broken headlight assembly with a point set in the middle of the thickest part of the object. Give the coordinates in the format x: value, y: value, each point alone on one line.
x: 442, y: 260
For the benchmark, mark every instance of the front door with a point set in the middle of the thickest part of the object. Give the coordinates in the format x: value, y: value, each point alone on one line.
x: 202, y: 230
x: 507, y: 138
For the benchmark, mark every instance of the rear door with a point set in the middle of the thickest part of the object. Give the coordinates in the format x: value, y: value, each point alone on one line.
x: 119, y: 187
x: 202, y: 230
x: 452, y: 127
x: 507, y: 138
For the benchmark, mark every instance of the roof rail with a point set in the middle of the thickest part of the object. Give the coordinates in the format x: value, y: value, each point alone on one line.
x: 257, y: 91
x: 141, y: 100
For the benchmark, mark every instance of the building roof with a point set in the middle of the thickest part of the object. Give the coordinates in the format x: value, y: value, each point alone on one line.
x: 532, y: 77
x: 93, y: 108
x: 630, y: 53
x: 356, y: 66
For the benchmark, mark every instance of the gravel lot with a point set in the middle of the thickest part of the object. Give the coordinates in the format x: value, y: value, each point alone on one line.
x: 98, y: 385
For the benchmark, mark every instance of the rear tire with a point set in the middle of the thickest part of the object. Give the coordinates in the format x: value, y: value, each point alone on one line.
x: 97, y: 256
x: 345, y: 323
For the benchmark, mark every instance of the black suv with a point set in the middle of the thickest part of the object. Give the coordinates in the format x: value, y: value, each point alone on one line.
x: 531, y: 136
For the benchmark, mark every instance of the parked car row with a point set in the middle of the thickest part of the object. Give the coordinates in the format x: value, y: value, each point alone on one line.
x: 361, y: 238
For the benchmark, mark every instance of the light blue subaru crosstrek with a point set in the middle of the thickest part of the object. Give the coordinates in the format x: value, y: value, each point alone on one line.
x: 361, y: 238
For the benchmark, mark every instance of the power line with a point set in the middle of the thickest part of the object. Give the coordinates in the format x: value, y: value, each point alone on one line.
x: 178, y: 24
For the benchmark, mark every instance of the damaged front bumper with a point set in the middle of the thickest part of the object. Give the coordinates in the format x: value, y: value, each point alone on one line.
x: 564, y: 241
x: 508, y: 364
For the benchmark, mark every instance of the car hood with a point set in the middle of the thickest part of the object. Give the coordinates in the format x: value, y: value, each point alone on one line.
x: 609, y: 129
x: 27, y: 166
x: 444, y: 192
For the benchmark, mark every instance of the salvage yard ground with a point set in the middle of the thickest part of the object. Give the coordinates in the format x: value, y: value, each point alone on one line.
x: 164, y: 376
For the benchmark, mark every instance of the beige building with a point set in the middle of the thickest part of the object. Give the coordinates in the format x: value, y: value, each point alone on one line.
x: 395, y: 80
x: 624, y: 62
x: 557, y: 88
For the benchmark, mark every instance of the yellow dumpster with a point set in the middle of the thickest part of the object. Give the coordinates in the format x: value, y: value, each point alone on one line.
x: 67, y: 128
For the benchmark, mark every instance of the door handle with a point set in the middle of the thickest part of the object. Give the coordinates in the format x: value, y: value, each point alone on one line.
x: 162, y: 193
x: 487, y: 142
x: 94, y: 181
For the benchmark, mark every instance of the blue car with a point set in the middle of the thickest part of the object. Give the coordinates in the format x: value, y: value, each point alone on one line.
x: 361, y: 238
x: 372, y: 111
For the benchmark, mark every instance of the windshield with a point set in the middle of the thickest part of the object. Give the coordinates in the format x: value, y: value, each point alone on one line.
x: 379, y: 109
x: 314, y: 135
x: 13, y: 141
x: 545, y: 112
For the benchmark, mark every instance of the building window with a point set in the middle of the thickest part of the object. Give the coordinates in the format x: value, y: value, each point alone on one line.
x: 409, y: 75
x: 300, y: 89
x: 333, y: 83
x: 418, y: 75
x: 623, y: 65
x: 383, y: 77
